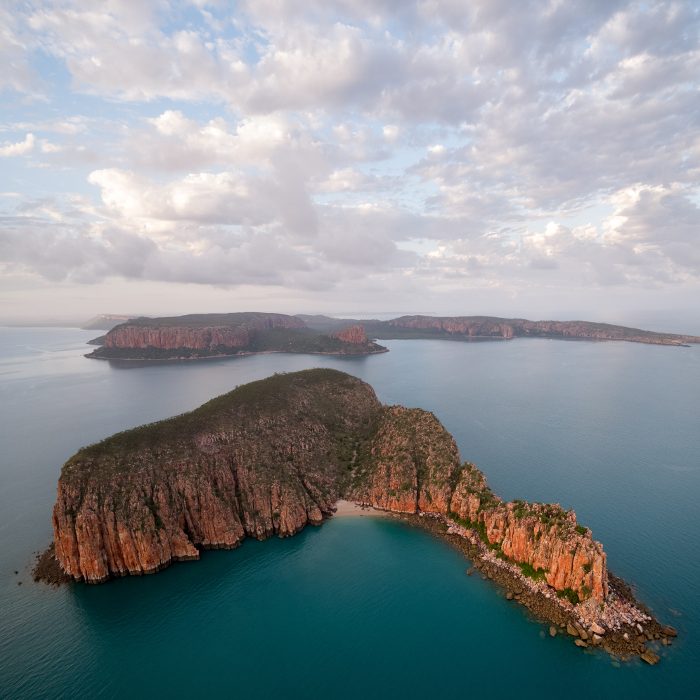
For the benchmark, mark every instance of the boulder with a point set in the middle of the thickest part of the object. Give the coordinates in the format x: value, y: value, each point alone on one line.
x: 552, y: 631
x: 650, y: 657
x: 597, y: 629
x: 580, y: 643
x: 570, y: 629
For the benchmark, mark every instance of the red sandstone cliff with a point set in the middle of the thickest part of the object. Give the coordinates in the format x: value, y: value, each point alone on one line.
x: 208, y: 332
x: 469, y: 326
x: 409, y: 466
x: 412, y: 465
x: 265, y: 459
x: 353, y: 334
x: 542, y: 535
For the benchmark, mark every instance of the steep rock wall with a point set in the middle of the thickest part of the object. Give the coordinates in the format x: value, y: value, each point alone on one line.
x: 266, y: 459
x: 200, y: 336
x: 541, y: 535
x: 470, y: 327
x: 409, y: 466
x: 353, y: 334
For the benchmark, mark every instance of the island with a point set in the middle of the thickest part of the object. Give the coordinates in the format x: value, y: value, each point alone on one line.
x: 495, y: 328
x: 198, y: 336
x: 275, y: 455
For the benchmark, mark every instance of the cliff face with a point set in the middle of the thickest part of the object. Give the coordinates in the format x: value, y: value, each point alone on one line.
x: 275, y: 455
x: 489, y: 327
x: 207, y: 335
x: 412, y: 465
x: 354, y: 334
x: 265, y: 459
x: 409, y: 466
x: 543, y: 536
x: 457, y: 325
x: 183, y: 333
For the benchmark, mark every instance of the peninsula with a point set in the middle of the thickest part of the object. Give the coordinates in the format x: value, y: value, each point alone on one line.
x: 218, y: 335
x: 276, y: 455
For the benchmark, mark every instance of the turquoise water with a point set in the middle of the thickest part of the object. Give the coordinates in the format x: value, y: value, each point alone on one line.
x: 361, y: 606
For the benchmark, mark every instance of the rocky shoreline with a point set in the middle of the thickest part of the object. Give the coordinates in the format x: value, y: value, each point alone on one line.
x: 625, y: 629
x: 46, y: 568
x: 220, y: 356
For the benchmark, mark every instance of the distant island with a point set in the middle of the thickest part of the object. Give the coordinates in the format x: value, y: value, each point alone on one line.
x: 495, y: 328
x: 215, y: 335
x: 276, y: 455
x: 104, y: 322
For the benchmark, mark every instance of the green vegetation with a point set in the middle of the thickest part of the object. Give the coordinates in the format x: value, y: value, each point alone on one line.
x: 302, y: 340
x: 521, y: 509
x: 478, y: 526
x: 241, y: 409
x: 570, y: 595
x: 206, y: 320
x: 529, y: 571
x: 581, y: 529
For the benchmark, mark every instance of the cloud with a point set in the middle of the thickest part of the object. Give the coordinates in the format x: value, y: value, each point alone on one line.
x: 8, y: 150
x: 428, y: 144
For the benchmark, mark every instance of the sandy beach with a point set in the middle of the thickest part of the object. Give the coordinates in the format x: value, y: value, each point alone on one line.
x: 350, y: 509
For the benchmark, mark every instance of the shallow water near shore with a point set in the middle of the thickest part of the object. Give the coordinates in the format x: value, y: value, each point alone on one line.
x: 361, y: 606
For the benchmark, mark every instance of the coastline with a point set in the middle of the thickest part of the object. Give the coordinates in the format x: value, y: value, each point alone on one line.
x: 220, y: 356
x: 666, y: 342
x: 626, y: 629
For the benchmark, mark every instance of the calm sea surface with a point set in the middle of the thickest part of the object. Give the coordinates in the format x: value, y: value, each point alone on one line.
x: 361, y: 607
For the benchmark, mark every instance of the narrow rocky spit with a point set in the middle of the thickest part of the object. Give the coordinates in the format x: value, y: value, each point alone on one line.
x: 276, y: 455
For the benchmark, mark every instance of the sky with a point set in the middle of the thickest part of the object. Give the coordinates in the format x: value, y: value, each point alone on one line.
x: 511, y: 157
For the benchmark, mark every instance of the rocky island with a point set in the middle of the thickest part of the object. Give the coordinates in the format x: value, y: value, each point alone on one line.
x: 218, y: 335
x: 495, y: 328
x: 275, y: 455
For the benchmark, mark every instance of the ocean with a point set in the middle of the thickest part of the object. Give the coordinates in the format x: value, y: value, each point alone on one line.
x: 360, y: 607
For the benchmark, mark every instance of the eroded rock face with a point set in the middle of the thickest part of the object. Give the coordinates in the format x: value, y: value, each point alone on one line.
x: 544, y: 536
x: 458, y: 325
x: 353, y: 334
x: 266, y: 459
x: 236, y: 333
x: 409, y: 466
x: 412, y: 465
